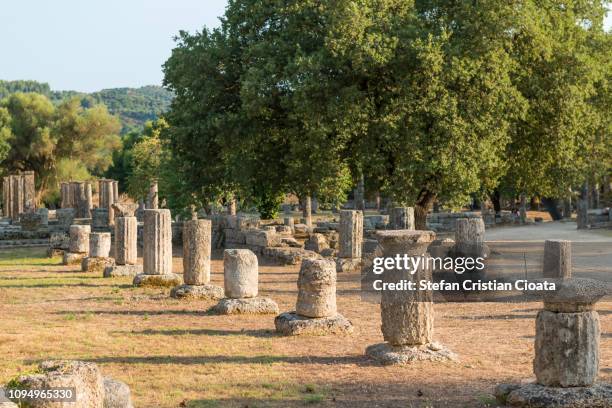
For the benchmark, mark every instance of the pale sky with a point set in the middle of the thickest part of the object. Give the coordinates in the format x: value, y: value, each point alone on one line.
x: 94, y: 44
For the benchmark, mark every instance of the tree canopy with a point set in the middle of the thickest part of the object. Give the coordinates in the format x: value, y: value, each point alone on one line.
x: 427, y: 100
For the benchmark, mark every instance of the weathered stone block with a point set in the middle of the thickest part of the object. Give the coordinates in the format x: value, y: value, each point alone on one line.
x: 241, y: 273
x: 317, y: 288
x: 99, y: 244
x: 566, y: 348
x: 351, y: 234
x: 79, y: 238
x: 197, y: 236
x: 157, y: 237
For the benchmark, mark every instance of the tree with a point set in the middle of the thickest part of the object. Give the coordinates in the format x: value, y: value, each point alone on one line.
x: 42, y: 135
x: 147, y: 158
x: 562, y: 56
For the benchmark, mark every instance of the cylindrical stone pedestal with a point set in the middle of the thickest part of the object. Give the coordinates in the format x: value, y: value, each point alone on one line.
x: 126, y: 238
x: 351, y: 234
x: 152, y: 196
x: 157, y: 240
x: 240, y: 273
x: 402, y: 218
x: 566, y: 348
x: 407, y: 315
x: 317, y: 288
x: 99, y: 244
x: 557, y: 259
x: 196, y: 251
x: 79, y: 238
x: 470, y: 237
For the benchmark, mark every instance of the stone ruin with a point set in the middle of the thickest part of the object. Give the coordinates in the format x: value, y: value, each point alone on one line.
x: 126, y: 242
x: 77, y: 195
x: 351, y: 239
x: 401, y: 218
x: 566, y: 362
x: 197, y: 240
x: 315, y: 310
x: 99, y: 253
x: 78, y: 247
x: 108, y: 194
x: 407, y: 315
x: 91, y: 388
x: 157, y: 251
x: 241, y: 280
x: 18, y: 195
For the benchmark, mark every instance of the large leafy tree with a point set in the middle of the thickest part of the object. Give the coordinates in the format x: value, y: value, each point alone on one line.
x: 53, y: 139
x: 563, y: 65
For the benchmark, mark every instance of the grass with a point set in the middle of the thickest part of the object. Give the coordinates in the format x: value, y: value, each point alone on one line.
x: 172, y: 353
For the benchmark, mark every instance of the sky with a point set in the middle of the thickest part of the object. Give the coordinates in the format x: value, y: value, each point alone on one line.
x: 91, y: 45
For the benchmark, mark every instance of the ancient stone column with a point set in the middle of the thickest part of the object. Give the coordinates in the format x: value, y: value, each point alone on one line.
x: 157, y: 237
x: 152, y: 196
x: 196, y: 251
x: 307, y: 211
x: 469, y: 236
x: 79, y: 238
x: 557, y: 259
x: 99, y: 251
x: 108, y: 195
x: 241, y: 273
x: 566, y: 348
x: 17, y: 190
x: 582, y: 214
x: 99, y: 244
x: 316, y: 289
x: 351, y: 233
x: 407, y: 315
x: 157, y: 251
x: 402, y: 218
x: 315, y: 309
x: 78, y: 246
x: 126, y: 235
x: 29, y: 191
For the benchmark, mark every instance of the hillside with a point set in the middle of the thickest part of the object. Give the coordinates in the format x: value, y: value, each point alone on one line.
x: 134, y: 106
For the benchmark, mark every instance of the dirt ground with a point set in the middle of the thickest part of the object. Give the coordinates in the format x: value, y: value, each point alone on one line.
x: 174, y: 354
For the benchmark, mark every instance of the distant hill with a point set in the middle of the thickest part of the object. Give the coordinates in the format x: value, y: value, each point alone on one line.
x: 134, y: 106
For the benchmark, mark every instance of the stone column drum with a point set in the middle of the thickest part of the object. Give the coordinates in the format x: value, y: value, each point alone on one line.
x: 196, y: 251
x: 315, y: 311
x: 157, y: 238
x: 157, y: 250
x: 407, y: 315
x: 99, y: 251
x: 126, y: 236
x: 79, y: 238
x: 99, y: 244
x: 351, y: 233
x: 78, y: 247
x: 241, y: 274
x: 402, y: 218
x: 316, y: 289
x: 126, y: 247
x: 557, y: 259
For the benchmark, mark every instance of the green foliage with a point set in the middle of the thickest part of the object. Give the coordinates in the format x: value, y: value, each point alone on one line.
x: 426, y: 99
x: 56, y: 141
x: 147, y: 157
x: 134, y: 106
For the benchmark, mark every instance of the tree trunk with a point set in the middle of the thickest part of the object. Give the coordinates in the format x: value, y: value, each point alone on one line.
x: 523, y: 208
x: 551, y: 205
x: 496, y: 199
x: 307, y: 211
x: 422, y: 206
